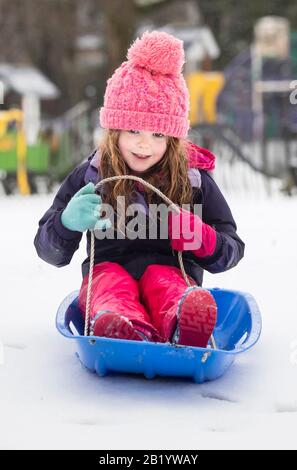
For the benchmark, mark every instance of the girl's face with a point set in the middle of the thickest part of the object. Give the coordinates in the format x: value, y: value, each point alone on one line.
x: 141, y: 149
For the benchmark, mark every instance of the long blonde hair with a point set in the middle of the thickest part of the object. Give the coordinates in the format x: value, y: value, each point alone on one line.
x: 169, y: 175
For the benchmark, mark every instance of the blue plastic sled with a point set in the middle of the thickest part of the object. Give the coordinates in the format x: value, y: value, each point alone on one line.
x: 238, y: 329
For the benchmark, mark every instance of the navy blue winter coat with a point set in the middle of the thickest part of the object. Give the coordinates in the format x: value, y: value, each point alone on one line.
x: 56, y: 245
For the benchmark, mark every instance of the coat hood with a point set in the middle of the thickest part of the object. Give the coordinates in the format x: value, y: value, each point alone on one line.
x: 199, y: 157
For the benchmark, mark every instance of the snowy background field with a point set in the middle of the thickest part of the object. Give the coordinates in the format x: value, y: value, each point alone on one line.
x: 48, y: 401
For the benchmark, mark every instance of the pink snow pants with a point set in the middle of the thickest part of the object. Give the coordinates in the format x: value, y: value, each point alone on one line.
x: 149, y: 303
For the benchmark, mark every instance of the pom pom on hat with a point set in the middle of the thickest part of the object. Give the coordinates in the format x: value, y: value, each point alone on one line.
x: 158, y: 52
x: 148, y: 91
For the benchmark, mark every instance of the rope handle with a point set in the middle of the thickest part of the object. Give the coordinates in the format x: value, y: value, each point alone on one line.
x: 175, y: 207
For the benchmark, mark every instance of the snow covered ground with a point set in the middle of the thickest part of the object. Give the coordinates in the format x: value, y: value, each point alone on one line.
x: 48, y: 401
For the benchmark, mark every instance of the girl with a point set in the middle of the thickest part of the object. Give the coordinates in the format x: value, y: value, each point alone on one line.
x: 138, y: 291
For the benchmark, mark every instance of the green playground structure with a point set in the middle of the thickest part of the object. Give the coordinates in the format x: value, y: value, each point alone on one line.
x: 54, y: 153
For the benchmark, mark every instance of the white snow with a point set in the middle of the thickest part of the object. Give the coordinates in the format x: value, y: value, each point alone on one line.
x: 48, y: 401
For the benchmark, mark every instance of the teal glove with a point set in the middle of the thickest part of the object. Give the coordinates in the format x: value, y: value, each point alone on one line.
x: 83, y: 211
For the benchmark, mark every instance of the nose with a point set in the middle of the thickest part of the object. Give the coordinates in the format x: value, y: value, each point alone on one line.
x: 143, y: 142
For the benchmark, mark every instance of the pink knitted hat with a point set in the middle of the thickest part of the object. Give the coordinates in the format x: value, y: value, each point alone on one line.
x: 148, y: 91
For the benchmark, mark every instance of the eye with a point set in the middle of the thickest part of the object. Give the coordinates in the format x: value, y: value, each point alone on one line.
x: 133, y: 131
x: 156, y: 134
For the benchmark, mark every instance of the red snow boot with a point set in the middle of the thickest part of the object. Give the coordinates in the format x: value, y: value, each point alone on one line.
x: 114, y: 325
x: 197, y: 315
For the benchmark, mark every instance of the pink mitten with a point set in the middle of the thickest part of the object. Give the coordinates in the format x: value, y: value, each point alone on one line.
x: 189, y: 233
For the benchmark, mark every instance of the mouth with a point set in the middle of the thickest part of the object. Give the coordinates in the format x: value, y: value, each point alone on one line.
x: 140, y: 157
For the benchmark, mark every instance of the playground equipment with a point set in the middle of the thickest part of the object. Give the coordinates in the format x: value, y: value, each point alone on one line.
x: 18, y: 161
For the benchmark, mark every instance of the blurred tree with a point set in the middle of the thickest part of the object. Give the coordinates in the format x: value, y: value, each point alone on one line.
x: 50, y: 38
x: 121, y: 21
x: 44, y: 33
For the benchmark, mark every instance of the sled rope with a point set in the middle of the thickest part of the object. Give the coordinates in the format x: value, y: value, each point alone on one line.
x: 175, y: 207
